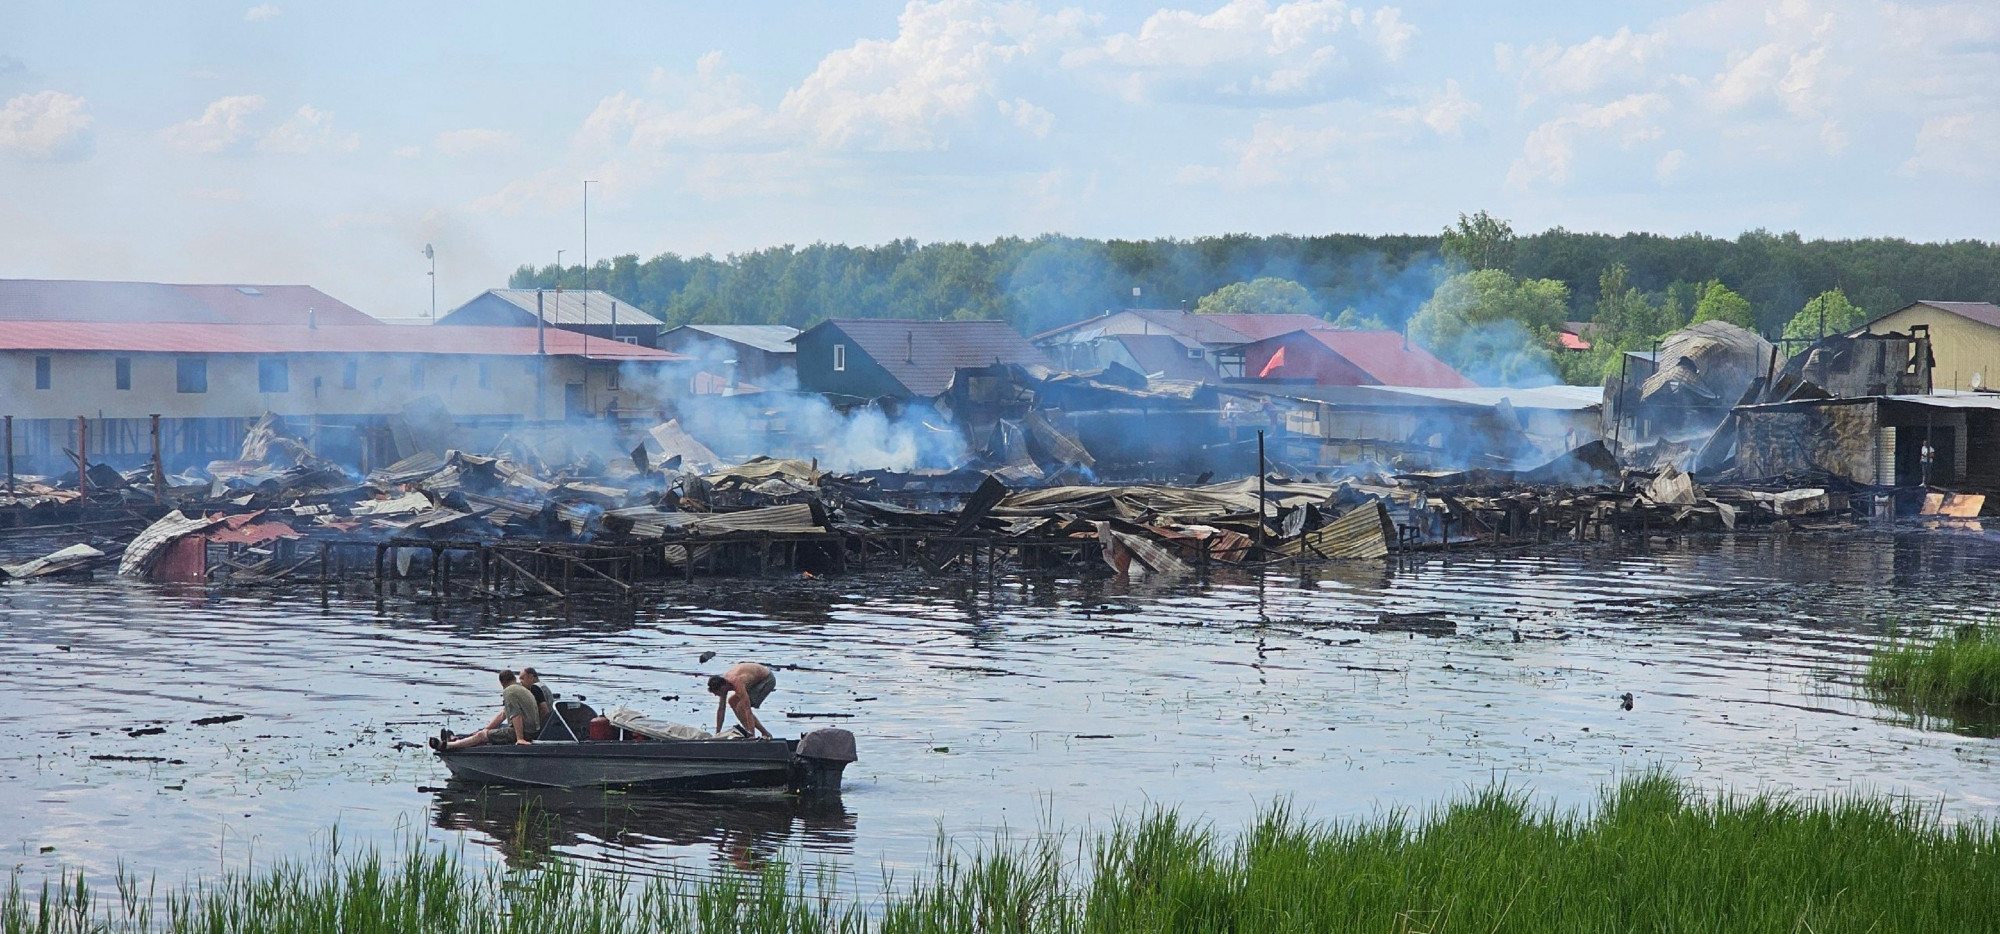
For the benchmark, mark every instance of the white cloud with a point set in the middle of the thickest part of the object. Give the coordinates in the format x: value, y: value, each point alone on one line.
x: 946, y: 64
x: 1669, y: 165
x: 47, y: 126
x: 308, y: 130
x: 1962, y: 145
x: 1029, y: 117
x: 261, y: 13
x: 221, y: 126
x: 1446, y: 112
x: 1249, y: 48
x: 1558, y: 70
x: 1549, y: 154
x: 1771, y: 82
x: 1280, y: 152
x: 407, y: 152
x: 456, y: 143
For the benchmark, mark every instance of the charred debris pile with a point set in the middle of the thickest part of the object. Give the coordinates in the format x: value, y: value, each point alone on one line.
x: 514, y: 522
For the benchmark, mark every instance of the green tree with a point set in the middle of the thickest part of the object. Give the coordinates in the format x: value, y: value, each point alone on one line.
x: 1267, y: 296
x: 1481, y: 241
x: 1495, y: 329
x: 1827, y: 313
x: 1352, y: 319
x: 1718, y: 303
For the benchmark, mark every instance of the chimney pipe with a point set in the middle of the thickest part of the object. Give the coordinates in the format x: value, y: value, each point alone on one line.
x: 909, y: 346
x: 312, y: 320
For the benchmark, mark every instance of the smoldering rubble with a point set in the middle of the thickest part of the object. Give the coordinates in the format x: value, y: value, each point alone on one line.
x: 1106, y: 471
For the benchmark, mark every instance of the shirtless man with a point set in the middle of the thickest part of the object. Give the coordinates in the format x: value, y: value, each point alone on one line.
x: 743, y: 688
x: 517, y: 720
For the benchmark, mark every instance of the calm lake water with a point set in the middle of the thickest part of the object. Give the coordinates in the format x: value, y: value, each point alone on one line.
x: 1016, y: 704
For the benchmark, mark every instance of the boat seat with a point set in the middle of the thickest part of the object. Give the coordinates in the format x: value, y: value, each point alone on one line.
x: 569, y: 721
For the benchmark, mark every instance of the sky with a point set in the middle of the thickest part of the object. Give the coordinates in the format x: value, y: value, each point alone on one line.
x: 327, y: 143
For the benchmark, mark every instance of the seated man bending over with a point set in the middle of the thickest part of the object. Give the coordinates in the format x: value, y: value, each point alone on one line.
x: 519, y: 719
x: 742, y: 688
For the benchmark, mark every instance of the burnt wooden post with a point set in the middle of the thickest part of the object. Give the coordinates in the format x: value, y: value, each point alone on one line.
x: 82, y: 459
x: 1260, y: 488
x: 381, y: 555
x: 10, y: 457
x: 323, y: 548
x: 159, y: 469
x: 442, y: 560
x: 569, y: 565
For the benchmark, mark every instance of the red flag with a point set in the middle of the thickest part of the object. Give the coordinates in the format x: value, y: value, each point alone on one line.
x: 1277, y: 360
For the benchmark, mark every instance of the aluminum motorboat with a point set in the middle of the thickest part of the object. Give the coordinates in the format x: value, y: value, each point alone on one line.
x: 564, y: 756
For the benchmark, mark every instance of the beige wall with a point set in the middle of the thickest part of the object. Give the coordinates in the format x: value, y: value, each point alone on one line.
x: 1961, y: 346
x: 83, y: 383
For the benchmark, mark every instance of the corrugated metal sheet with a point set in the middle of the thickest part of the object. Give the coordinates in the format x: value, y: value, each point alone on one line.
x: 925, y: 355
x: 592, y: 307
x: 298, y: 339
x: 1561, y: 398
x: 770, y: 338
x: 790, y: 519
x: 156, y: 302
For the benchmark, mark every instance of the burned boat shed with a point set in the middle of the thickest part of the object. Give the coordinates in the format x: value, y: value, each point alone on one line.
x: 1331, y: 427
x: 1876, y: 440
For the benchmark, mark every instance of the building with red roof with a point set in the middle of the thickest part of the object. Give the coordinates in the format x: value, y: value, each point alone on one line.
x: 1330, y: 357
x: 208, y: 360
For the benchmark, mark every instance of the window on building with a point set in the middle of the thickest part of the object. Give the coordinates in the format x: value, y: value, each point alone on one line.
x: 485, y: 375
x: 273, y: 375
x: 350, y: 374
x: 416, y: 374
x: 614, y: 378
x: 122, y: 371
x: 191, y: 374
x: 840, y: 358
x: 42, y: 373
x: 1194, y: 353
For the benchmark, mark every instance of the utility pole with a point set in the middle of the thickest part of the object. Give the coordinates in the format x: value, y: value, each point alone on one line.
x: 541, y: 362
x: 431, y: 255
x: 586, y: 275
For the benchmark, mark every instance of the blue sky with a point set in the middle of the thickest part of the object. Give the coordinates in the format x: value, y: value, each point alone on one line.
x: 327, y: 143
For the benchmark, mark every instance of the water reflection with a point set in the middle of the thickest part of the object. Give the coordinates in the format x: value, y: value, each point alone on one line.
x: 980, y: 703
x: 644, y: 831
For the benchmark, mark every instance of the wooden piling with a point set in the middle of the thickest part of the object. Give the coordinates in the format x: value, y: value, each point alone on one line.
x: 159, y: 469
x: 82, y: 459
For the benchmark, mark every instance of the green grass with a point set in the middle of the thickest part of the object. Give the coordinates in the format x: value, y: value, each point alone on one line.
x: 1653, y: 855
x: 1957, y: 672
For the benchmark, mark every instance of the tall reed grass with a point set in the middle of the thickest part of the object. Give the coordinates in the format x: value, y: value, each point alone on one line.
x: 1653, y: 855
x: 1957, y: 672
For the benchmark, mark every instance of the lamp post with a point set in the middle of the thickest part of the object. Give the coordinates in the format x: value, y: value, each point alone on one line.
x: 431, y: 255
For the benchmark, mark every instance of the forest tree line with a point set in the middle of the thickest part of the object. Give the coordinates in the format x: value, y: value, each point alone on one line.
x: 1463, y: 292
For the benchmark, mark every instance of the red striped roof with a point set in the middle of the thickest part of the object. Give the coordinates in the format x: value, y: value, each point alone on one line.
x: 1387, y: 357
x: 299, y: 339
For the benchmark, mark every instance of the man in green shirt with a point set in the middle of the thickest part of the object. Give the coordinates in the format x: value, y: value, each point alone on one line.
x: 517, y: 722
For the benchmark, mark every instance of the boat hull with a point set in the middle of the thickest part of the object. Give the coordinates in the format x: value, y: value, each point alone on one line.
x: 701, y: 764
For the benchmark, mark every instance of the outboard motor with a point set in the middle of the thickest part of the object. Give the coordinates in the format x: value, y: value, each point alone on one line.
x: 818, y: 760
